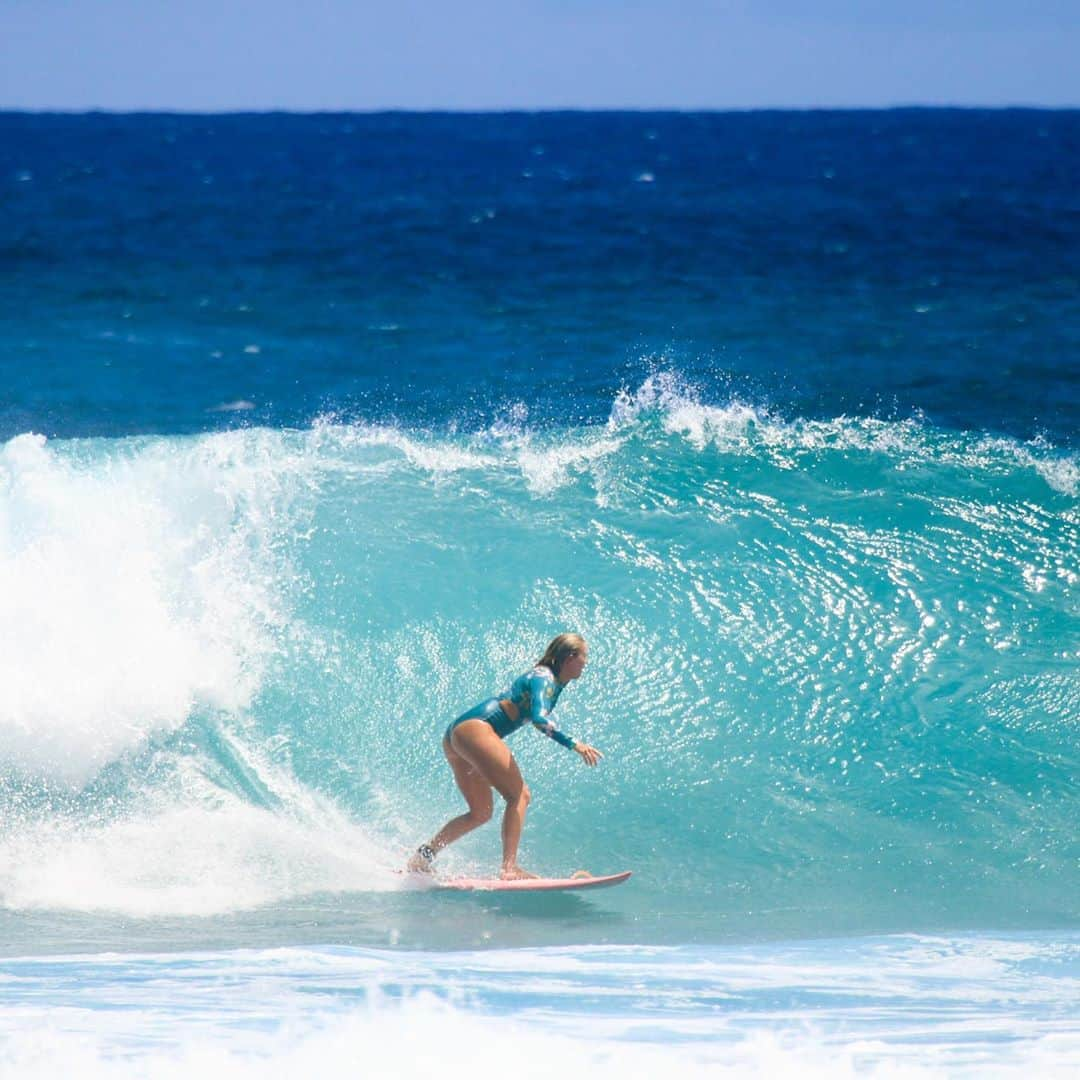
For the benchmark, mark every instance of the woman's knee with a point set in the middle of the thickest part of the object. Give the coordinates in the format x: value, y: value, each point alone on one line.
x: 480, y: 815
x: 520, y: 796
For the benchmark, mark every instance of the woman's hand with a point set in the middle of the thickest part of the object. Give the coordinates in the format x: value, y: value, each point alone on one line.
x: 589, y: 754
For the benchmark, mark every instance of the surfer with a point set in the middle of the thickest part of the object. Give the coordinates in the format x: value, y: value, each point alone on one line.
x: 482, y: 762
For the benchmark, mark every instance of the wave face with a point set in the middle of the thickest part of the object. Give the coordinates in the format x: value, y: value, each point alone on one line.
x: 833, y: 663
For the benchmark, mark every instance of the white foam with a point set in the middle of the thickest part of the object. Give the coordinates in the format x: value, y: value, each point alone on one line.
x: 878, y: 1008
x: 433, y: 457
x: 740, y: 428
x: 546, y: 469
x: 1062, y: 473
x: 186, y: 846
x: 422, y: 1037
x: 134, y: 591
x: 188, y: 860
x: 545, y: 466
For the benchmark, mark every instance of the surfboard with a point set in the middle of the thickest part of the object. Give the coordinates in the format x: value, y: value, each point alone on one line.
x: 534, y: 884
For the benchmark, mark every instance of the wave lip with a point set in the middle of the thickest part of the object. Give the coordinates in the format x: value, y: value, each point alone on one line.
x: 741, y: 428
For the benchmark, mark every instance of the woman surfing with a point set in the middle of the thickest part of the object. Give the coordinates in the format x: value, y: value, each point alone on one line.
x: 482, y: 762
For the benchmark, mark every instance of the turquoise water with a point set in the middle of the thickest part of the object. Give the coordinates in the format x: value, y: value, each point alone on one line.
x: 833, y: 667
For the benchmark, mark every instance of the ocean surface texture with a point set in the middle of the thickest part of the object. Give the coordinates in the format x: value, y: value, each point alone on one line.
x: 315, y: 429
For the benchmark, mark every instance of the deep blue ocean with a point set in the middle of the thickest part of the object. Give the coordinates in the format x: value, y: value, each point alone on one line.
x: 314, y: 429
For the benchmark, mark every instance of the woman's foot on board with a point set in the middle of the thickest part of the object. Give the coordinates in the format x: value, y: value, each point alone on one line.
x: 421, y: 860
x: 516, y: 873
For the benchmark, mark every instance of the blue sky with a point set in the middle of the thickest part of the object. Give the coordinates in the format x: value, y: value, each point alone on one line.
x: 213, y: 55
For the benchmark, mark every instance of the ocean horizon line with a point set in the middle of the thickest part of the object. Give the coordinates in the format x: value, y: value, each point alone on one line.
x: 540, y: 110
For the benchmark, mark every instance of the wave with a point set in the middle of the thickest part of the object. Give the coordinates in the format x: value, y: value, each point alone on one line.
x: 833, y: 663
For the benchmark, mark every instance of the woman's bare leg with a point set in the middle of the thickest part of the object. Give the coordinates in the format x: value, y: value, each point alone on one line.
x: 477, y: 743
x: 477, y: 792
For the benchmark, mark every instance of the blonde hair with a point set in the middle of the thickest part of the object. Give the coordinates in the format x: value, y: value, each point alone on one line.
x: 560, y: 649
